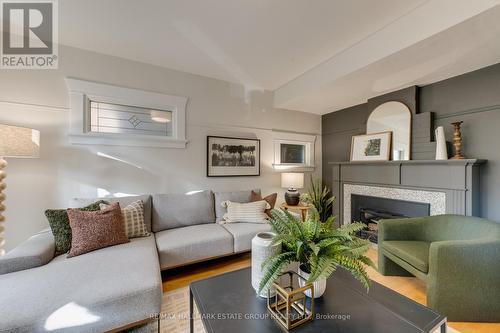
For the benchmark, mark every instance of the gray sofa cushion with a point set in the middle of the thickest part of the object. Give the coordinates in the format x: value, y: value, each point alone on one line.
x: 181, y: 246
x: 244, y: 232
x: 35, y: 251
x: 182, y: 210
x: 235, y: 196
x: 94, y: 292
x: 124, y: 201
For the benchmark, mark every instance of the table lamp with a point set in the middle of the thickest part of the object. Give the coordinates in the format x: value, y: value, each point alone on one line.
x: 14, y: 142
x: 292, y: 181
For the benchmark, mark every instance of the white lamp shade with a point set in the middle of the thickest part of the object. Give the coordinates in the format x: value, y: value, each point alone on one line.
x: 19, y: 141
x: 292, y: 180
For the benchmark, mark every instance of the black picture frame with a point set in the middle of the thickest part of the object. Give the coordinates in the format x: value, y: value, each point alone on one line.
x: 232, y: 171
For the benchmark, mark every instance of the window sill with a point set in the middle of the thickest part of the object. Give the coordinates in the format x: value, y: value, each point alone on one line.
x: 297, y: 168
x: 126, y: 140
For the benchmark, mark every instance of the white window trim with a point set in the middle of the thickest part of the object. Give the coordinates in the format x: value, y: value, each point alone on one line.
x: 294, y: 138
x: 81, y: 92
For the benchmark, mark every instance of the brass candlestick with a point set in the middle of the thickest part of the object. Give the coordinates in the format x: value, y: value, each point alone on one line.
x: 457, y: 141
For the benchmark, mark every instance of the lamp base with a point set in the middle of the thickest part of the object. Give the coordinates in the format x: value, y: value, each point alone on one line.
x: 292, y: 197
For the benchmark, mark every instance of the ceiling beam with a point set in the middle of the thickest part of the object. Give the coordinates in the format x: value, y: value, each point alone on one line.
x: 425, y: 21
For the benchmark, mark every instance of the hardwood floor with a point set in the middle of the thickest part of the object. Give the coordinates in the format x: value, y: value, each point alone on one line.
x: 410, y: 287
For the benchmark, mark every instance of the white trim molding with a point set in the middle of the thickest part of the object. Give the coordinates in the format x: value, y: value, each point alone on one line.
x: 437, y: 200
x: 81, y: 92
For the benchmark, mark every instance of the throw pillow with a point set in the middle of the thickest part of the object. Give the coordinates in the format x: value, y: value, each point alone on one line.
x: 96, y: 230
x: 271, y: 200
x: 59, y: 224
x: 133, y: 219
x: 252, y: 212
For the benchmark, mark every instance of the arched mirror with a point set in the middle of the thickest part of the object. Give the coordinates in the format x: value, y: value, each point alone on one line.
x: 395, y: 117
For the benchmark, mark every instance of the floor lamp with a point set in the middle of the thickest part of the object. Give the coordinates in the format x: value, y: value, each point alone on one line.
x: 18, y: 142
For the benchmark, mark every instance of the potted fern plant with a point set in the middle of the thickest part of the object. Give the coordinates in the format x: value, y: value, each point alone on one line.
x: 319, y: 248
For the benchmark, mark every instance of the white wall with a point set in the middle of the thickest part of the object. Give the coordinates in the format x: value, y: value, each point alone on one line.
x: 39, y: 99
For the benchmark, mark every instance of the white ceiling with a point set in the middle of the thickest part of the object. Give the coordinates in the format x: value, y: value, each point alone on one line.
x: 260, y: 43
x: 316, y: 55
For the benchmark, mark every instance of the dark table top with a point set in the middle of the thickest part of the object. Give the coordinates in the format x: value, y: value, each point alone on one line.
x: 229, y: 304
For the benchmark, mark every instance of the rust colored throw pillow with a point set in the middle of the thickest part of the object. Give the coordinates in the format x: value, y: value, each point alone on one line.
x: 96, y: 230
x: 271, y: 200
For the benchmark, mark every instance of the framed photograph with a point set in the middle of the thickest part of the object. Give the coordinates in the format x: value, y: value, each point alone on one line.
x: 232, y: 157
x: 371, y: 147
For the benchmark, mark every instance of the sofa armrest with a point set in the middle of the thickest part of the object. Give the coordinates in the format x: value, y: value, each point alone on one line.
x: 36, y: 251
x: 401, y: 229
x: 463, y: 279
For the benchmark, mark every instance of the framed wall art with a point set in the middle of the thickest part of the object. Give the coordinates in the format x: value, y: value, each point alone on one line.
x: 232, y: 157
x: 371, y: 147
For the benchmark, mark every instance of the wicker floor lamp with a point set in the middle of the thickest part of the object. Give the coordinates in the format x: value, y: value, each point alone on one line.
x: 14, y: 142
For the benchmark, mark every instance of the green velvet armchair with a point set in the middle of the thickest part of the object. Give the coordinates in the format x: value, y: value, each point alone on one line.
x: 457, y: 256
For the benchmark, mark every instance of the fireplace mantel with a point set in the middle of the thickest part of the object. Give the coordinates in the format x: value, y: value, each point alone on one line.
x: 458, y: 179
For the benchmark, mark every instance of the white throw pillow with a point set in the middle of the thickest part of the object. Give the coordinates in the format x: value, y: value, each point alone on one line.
x: 253, y: 212
x: 133, y: 218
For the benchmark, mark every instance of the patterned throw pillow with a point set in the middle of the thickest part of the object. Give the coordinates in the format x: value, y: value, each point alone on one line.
x: 96, y: 230
x: 133, y: 219
x: 59, y: 224
x: 252, y: 212
x: 271, y: 200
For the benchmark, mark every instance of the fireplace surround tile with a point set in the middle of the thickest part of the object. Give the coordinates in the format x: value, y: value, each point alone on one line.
x: 436, y: 199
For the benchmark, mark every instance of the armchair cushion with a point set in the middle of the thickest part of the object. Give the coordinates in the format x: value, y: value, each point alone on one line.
x: 415, y: 253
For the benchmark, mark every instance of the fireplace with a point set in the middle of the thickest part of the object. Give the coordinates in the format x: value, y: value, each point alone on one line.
x: 369, y: 210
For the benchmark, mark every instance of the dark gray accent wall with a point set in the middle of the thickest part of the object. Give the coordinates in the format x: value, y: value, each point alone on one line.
x: 473, y: 97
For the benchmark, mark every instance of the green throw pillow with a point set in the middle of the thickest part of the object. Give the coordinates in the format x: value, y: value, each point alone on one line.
x: 59, y: 223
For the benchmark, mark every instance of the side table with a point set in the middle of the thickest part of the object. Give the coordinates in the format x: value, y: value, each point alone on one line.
x: 302, y: 207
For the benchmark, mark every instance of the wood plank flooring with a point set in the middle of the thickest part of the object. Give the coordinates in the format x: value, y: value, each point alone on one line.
x: 410, y: 287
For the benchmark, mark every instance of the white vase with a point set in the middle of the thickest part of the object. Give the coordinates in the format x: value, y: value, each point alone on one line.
x: 441, y: 150
x: 262, y: 249
x: 319, y: 285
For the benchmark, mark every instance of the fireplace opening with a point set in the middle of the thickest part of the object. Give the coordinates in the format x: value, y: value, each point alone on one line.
x: 369, y: 210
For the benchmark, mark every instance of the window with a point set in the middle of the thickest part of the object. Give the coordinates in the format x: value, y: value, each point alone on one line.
x: 116, y: 118
x: 293, y: 151
x: 103, y: 114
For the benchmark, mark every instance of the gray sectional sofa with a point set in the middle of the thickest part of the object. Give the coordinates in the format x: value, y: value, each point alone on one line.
x: 118, y: 287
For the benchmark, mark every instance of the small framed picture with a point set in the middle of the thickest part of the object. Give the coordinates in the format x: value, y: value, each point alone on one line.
x: 232, y: 157
x: 371, y: 147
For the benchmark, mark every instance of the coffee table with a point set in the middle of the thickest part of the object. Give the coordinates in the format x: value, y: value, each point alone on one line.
x: 228, y: 304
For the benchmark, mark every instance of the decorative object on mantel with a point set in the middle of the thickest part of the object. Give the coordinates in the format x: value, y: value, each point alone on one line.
x: 292, y: 181
x: 289, y: 306
x: 457, y: 141
x: 395, y: 117
x: 441, y: 149
x: 318, y: 247
x: 262, y: 249
x: 232, y: 157
x: 18, y: 142
x: 371, y: 147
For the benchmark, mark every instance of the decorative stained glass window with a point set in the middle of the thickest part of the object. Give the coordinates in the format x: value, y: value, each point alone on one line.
x: 125, y: 119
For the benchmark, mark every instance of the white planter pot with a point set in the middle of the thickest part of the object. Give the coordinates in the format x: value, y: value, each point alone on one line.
x: 261, y: 250
x: 319, y: 285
